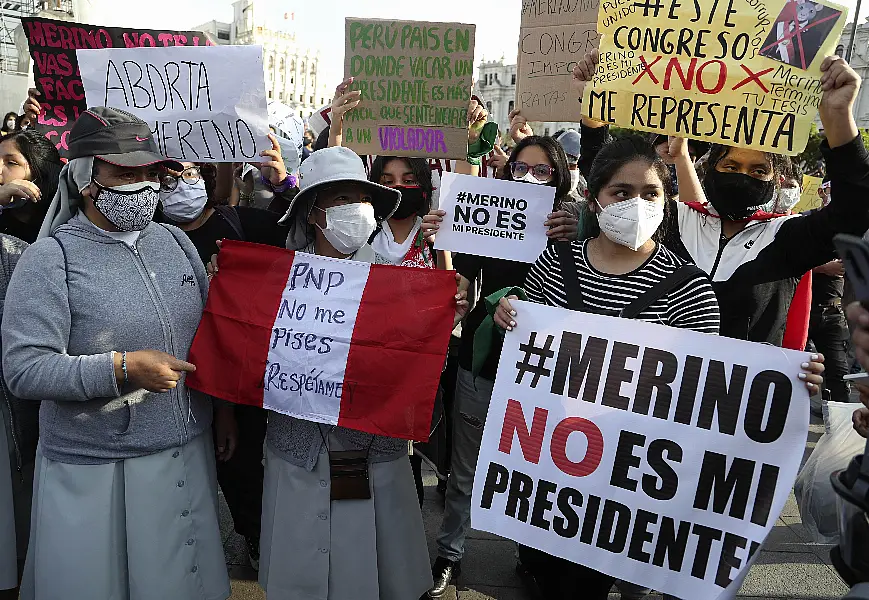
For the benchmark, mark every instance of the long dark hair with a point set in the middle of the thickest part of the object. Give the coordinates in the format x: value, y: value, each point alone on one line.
x: 557, y: 157
x: 421, y: 171
x: 42, y: 158
x: 610, y: 159
x: 12, y: 114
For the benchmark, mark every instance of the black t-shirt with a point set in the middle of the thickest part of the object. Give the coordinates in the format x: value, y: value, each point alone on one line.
x: 259, y: 226
x: 492, y: 274
x: 826, y: 289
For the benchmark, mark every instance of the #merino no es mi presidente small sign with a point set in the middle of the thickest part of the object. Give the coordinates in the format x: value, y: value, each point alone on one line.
x: 415, y: 78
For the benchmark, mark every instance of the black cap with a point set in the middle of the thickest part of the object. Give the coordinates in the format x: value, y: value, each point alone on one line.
x: 117, y: 137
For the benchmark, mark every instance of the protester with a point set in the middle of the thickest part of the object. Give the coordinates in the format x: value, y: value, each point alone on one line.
x: 614, y: 274
x: 313, y: 546
x: 754, y: 258
x: 790, y: 188
x: 828, y: 329
x: 570, y: 143
x: 400, y: 238
x: 535, y: 161
x: 9, y: 122
x: 23, y: 122
x: 605, y: 274
x: 186, y: 204
x: 106, y: 306
x: 19, y: 430
x: 29, y: 170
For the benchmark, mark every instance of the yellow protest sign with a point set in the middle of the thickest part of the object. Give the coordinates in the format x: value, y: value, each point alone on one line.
x: 809, y: 198
x: 739, y: 72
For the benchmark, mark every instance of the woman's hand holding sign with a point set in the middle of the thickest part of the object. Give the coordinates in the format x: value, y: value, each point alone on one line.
x: 562, y: 225
x: 431, y: 223
x: 462, y: 304
x: 583, y: 72
x: 273, y: 168
x: 343, y: 102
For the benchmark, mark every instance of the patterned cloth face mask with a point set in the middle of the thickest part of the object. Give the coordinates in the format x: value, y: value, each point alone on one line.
x: 129, y: 207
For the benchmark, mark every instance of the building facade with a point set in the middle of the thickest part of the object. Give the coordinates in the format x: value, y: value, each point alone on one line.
x: 860, y: 63
x: 292, y: 73
x: 496, y: 85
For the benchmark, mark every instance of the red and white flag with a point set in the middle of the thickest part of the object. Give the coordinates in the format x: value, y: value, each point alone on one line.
x: 332, y: 341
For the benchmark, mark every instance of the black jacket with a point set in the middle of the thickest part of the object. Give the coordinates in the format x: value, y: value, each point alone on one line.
x: 755, y: 273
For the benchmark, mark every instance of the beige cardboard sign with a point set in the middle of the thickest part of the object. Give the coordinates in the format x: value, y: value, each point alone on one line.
x: 554, y: 36
x: 415, y: 78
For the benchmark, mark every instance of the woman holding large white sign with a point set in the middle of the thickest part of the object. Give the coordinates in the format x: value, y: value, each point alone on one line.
x: 620, y: 269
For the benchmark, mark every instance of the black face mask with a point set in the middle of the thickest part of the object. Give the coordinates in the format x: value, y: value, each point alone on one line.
x: 413, y: 200
x: 735, y: 196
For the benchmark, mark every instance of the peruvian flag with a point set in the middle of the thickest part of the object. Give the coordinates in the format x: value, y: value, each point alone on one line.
x: 332, y: 341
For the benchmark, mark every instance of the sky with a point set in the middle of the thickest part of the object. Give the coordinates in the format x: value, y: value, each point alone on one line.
x: 319, y: 24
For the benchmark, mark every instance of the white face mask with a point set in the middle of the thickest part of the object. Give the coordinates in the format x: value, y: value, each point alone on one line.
x: 10, y: 124
x: 129, y: 207
x: 349, y: 226
x: 574, y: 179
x: 185, y: 203
x: 529, y: 178
x: 631, y: 222
x: 787, y: 199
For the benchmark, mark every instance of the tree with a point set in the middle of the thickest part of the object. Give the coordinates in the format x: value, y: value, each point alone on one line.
x: 808, y: 158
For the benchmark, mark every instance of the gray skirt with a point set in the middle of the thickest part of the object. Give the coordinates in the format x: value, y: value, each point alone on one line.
x: 144, y: 528
x: 8, y: 545
x: 315, y: 549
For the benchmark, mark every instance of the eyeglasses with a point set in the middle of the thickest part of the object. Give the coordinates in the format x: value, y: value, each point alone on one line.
x: 541, y: 172
x: 190, y: 175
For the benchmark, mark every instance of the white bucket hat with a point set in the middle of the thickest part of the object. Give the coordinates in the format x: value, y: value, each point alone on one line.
x: 327, y: 166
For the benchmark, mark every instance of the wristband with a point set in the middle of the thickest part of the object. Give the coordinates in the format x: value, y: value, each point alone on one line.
x: 475, y: 161
x: 124, y: 367
x: 282, y: 187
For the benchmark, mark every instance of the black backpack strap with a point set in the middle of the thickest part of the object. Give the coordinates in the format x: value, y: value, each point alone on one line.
x: 376, y: 232
x: 659, y: 290
x: 230, y: 215
x: 570, y: 275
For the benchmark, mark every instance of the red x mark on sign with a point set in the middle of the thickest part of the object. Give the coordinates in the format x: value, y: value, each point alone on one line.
x: 647, y: 69
x: 755, y: 77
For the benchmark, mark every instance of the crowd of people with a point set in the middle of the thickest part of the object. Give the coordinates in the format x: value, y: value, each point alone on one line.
x: 111, y: 487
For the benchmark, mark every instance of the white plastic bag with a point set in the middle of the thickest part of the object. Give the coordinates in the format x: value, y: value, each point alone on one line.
x: 834, y: 450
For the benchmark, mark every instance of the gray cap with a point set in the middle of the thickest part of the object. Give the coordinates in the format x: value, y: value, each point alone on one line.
x: 569, y: 141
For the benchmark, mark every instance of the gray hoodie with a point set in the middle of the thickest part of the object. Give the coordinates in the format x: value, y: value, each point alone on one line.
x: 76, y: 297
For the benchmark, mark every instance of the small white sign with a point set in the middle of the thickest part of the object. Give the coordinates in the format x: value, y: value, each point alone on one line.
x: 203, y: 103
x: 494, y: 218
x: 657, y: 455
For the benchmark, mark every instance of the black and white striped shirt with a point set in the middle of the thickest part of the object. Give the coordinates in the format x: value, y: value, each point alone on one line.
x: 692, y: 305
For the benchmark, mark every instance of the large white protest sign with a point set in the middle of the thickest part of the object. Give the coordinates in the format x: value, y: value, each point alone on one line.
x: 203, y: 104
x: 657, y: 455
x: 492, y: 217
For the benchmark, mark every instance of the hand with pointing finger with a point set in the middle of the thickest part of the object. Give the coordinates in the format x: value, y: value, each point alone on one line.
x: 343, y: 102
x: 584, y: 71
x: 151, y: 370
x: 274, y: 168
